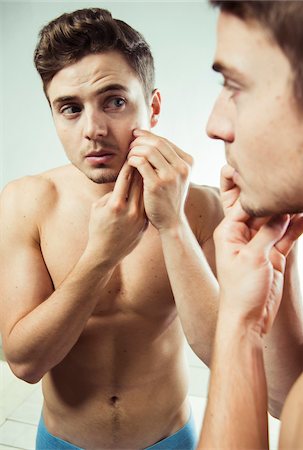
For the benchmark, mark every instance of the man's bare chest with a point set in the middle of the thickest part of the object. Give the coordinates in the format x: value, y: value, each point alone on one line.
x: 138, y: 283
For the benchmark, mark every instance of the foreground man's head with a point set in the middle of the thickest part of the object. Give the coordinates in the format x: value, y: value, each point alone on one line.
x: 259, y: 112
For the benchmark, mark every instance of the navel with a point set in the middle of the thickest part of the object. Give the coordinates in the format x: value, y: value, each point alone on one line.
x: 114, y: 400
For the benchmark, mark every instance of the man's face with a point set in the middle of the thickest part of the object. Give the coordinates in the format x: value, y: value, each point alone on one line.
x: 257, y: 118
x: 96, y: 104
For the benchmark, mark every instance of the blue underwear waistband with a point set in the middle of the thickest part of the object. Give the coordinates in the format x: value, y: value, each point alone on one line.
x: 184, y: 439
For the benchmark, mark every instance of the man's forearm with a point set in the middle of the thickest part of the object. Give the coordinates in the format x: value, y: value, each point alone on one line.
x: 283, y: 346
x: 42, y: 338
x: 194, y: 286
x: 236, y: 414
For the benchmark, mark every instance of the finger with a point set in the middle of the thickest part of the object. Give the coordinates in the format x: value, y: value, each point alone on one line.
x: 123, y: 182
x: 293, y: 232
x: 102, y: 201
x: 146, y: 170
x: 269, y: 234
x: 229, y: 191
x: 136, y: 197
x: 255, y: 223
x: 158, y: 144
x: 154, y: 157
x: 170, y: 151
x: 135, y: 190
x: 229, y: 198
x: 226, y: 178
x: 237, y: 213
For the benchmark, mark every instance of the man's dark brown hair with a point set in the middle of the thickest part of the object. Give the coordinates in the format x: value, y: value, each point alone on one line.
x: 284, y: 22
x: 70, y: 37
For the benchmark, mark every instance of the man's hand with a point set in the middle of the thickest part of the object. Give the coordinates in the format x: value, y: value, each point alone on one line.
x: 251, y: 257
x: 228, y: 189
x: 118, y: 219
x: 165, y: 171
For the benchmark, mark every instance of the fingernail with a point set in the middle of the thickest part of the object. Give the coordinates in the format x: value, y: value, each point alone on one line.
x: 137, y: 132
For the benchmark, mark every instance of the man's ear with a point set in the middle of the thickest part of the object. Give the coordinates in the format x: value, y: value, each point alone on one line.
x: 155, y: 107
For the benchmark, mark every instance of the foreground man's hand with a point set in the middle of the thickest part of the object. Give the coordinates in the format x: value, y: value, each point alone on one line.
x: 251, y: 256
x: 165, y: 171
x: 251, y: 265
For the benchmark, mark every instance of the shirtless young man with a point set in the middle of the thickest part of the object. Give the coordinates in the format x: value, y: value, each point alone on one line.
x: 88, y: 252
x: 259, y: 116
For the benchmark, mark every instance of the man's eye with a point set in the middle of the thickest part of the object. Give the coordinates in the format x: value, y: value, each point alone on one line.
x: 115, y: 103
x: 231, y: 87
x: 70, y: 110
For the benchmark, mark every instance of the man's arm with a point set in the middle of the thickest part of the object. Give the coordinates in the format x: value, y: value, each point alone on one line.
x: 190, y: 263
x: 165, y: 170
x: 39, y: 326
x: 236, y: 413
x: 283, y: 344
x: 291, y: 431
x: 251, y: 266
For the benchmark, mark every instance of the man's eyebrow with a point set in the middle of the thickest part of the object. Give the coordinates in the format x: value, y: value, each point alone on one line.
x: 228, y: 71
x: 103, y: 90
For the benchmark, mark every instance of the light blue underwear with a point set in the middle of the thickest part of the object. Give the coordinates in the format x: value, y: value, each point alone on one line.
x: 184, y: 439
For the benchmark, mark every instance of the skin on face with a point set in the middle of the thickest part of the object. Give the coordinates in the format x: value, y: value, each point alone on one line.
x: 257, y: 118
x: 96, y: 103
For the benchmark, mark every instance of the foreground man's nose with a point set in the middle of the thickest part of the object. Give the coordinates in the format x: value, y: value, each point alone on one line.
x: 220, y: 124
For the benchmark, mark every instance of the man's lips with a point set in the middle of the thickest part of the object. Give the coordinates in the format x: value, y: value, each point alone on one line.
x: 98, y: 153
x: 99, y: 157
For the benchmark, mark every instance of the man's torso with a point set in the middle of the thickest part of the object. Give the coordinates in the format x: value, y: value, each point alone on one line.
x: 124, y: 383
x: 125, y: 380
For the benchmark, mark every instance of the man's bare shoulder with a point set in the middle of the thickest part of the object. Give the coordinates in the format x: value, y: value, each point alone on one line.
x: 33, y: 192
x: 204, y: 210
x: 203, y: 196
x: 291, y: 435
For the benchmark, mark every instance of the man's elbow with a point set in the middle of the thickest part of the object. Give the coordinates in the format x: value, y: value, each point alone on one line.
x: 202, y: 352
x: 275, y: 407
x: 26, y: 372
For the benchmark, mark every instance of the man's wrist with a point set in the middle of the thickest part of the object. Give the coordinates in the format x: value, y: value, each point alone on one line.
x: 91, y: 260
x: 174, y: 229
x: 231, y: 322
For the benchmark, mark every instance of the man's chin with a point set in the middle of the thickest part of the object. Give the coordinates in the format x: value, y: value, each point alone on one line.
x: 102, y: 175
x: 253, y: 210
x: 261, y: 210
x: 103, y: 179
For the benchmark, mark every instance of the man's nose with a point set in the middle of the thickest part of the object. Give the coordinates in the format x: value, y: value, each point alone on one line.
x: 220, y: 124
x: 95, y: 125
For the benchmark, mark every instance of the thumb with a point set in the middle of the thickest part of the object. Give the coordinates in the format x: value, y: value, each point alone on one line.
x: 294, y: 231
x: 269, y: 234
x: 104, y: 199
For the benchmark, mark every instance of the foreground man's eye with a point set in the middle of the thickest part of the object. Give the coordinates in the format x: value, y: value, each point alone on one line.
x: 231, y: 87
